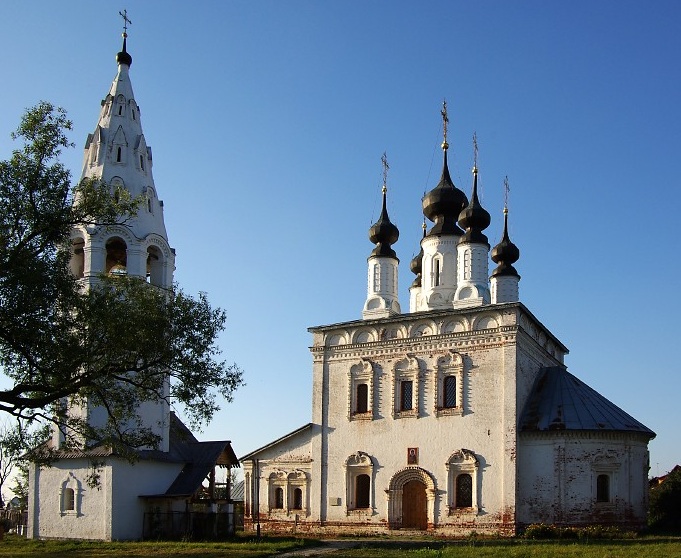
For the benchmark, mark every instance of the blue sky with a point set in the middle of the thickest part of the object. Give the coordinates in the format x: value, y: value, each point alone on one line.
x: 267, y: 122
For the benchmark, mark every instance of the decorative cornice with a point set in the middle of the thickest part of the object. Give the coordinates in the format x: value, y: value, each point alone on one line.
x: 583, y: 434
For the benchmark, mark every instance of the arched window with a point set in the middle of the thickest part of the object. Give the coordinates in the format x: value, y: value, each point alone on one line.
x: 359, y: 469
x: 449, y: 396
x: 602, y: 488
x: 362, y: 491
x: 361, y: 391
x: 464, y: 491
x: 362, y: 398
x: 436, y: 279
x: 297, y: 499
x: 142, y: 162
x: 449, y: 392
x: 279, y: 498
x: 406, y: 387
x: 69, y: 499
x: 120, y: 110
x: 118, y: 154
x: 462, y: 485
x: 70, y: 496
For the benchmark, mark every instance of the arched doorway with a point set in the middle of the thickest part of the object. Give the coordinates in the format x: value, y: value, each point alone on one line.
x: 414, y: 505
x: 411, y: 499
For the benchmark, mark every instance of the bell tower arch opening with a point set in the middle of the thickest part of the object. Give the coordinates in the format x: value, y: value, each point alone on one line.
x: 116, y: 256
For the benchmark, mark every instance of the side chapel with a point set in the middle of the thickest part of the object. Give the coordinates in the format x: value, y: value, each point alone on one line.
x: 457, y: 416
x: 171, y: 487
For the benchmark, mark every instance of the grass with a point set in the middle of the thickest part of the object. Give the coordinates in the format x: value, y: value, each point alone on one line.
x: 646, y: 547
x: 518, y: 548
x: 239, y: 548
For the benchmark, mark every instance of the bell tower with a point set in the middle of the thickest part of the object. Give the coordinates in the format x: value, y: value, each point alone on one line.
x: 118, y: 154
x: 137, y: 246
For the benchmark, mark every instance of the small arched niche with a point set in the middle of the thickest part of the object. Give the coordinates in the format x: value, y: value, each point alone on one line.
x: 116, y: 256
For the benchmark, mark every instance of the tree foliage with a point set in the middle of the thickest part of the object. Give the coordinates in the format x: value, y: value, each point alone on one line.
x: 114, y: 346
x: 664, y: 512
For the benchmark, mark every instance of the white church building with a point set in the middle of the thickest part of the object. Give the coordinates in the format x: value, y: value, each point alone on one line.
x: 161, y: 493
x: 454, y: 417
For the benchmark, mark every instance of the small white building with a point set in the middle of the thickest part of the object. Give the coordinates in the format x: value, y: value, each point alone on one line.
x: 458, y: 416
x: 169, y: 491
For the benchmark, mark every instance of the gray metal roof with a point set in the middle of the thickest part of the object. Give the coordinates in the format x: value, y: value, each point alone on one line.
x: 560, y: 401
x: 238, y: 492
x: 202, y: 457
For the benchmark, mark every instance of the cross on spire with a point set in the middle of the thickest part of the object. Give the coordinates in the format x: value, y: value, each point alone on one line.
x: 445, y: 121
x: 386, y: 167
x: 126, y: 22
x: 475, y: 150
x: 507, y: 189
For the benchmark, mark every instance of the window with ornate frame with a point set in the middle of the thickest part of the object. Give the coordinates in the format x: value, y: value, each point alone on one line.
x: 70, y: 495
x: 359, y: 472
x: 276, y: 483
x: 298, y: 491
x: 604, y: 479
x: 462, y: 482
x: 449, y: 385
x: 406, y: 388
x: 361, y: 391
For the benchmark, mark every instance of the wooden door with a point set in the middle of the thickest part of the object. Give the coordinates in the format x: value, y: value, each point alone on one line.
x: 414, y: 506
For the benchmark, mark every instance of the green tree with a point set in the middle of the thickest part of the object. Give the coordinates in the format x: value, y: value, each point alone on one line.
x: 116, y: 345
x: 664, y: 511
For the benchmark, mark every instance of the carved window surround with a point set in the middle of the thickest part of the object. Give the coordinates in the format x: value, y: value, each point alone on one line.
x: 406, y: 370
x: 450, y: 364
x: 361, y: 373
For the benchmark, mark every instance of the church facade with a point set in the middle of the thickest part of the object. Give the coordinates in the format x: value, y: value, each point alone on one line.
x: 455, y: 417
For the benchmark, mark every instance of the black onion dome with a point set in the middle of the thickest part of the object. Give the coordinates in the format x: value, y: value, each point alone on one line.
x: 416, y: 264
x: 474, y: 218
x: 443, y: 204
x: 383, y: 233
x: 123, y: 57
x: 505, y: 254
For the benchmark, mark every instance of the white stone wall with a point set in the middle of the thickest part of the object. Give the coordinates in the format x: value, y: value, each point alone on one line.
x: 131, y: 480
x: 558, y: 474
x: 90, y: 518
x: 287, y: 465
x: 111, y: 511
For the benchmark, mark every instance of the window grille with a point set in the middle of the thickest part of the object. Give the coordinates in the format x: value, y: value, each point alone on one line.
x: 464, y: 491
x: 406, y: 395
